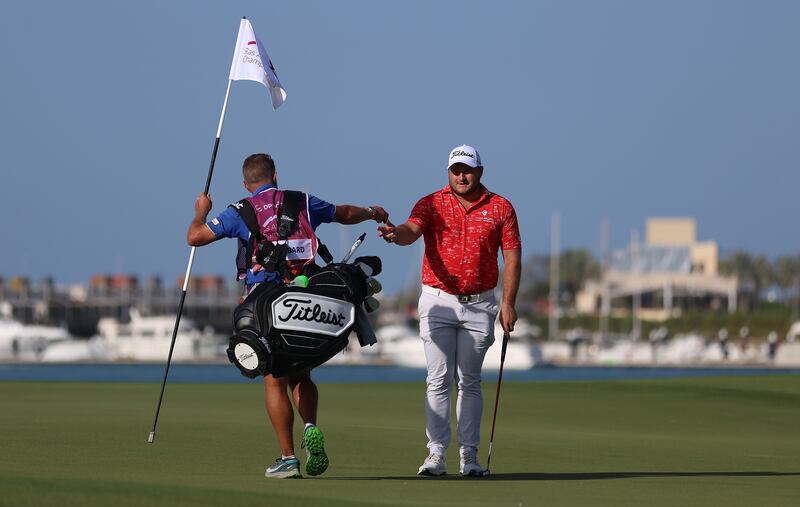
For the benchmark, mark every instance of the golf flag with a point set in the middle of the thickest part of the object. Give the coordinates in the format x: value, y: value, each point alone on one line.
x: 251, y: 62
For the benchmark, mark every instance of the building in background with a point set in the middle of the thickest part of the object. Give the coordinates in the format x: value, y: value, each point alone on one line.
x: 669, y: 273
x: 78, y: 308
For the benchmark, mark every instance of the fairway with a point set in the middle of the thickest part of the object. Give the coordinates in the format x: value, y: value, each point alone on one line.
x: 702, y: 441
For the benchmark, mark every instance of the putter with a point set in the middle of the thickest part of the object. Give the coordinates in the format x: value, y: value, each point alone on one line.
x: 496, y: 401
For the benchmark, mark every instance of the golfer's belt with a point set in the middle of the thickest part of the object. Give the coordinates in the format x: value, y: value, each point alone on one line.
x: 461, y: 298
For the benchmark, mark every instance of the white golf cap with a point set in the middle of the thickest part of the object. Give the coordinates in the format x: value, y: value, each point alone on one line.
x: 465, y: 155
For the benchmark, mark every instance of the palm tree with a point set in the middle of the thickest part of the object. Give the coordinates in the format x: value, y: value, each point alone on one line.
x: 754, y: 272
x: 576, y: 267
x: 787, y: 276
x: 534, y: 281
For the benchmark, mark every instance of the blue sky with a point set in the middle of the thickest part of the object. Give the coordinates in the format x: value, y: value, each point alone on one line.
x: 617, y: 109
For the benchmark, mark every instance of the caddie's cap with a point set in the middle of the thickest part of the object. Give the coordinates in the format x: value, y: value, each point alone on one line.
x: 465, y: 155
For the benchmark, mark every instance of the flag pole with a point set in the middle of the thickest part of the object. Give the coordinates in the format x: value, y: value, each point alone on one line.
x: 152, y: 436
x: 261, y: 70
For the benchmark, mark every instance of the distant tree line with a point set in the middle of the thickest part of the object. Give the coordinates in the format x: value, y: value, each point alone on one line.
x: 576, y: 266
x: 756, y: 273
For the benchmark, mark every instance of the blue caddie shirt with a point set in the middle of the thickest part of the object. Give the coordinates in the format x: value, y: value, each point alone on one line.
x: 229, y: 224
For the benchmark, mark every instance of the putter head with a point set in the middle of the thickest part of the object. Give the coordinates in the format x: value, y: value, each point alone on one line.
x: 151, y: 437
x: 487, y: 473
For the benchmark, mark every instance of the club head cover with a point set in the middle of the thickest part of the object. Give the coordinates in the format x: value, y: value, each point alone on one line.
x: 369, y: 264
x: 373, y: 286
x: 371, y: 304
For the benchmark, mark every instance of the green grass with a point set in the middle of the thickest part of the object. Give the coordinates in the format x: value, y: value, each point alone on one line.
x: 710, y: 441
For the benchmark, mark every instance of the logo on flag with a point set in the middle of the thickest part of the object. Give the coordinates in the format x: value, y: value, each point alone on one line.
x: 248, y: 63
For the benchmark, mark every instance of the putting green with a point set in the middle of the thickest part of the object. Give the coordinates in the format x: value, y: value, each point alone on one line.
x: 702, y: 441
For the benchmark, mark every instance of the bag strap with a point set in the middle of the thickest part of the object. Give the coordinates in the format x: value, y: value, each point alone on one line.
x: 292, y: 200
x: 244, y: 253
x: 289, y: 211
x: 245, y: 210
x: 274, y: 256
x: 323, y: 252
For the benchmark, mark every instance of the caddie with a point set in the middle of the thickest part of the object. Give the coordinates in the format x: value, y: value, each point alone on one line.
x: 287, y: 257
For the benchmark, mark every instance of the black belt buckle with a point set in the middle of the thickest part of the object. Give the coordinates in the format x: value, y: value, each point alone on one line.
x: 467, y: 298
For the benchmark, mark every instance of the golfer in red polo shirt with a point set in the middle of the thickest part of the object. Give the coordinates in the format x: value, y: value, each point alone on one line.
x: 464, y: 226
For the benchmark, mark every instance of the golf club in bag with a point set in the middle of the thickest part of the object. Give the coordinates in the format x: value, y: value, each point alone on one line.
x: 287, y: 329
x: 497, y: 400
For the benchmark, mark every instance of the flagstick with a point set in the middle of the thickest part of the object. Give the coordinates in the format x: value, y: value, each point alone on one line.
x: 152, y: 436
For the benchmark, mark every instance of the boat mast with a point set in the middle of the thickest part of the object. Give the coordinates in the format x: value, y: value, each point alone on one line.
x: 554, y: 281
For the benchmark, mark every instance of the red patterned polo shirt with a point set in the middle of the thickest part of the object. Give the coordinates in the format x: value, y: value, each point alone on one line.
x: 461, y: 244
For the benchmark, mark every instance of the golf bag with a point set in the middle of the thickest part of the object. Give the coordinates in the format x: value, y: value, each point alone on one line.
x: 287, y: 329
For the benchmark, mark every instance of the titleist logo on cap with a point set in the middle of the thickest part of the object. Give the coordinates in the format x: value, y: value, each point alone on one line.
x: 461, y: 153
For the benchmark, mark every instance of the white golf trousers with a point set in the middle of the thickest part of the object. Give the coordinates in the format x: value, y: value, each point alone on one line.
x: 456, y: 337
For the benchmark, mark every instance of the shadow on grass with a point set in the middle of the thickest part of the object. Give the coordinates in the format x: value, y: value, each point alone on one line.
x: 575, y: 476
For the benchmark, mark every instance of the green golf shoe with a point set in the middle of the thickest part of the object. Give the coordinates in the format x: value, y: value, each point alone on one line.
x: 314, y: 444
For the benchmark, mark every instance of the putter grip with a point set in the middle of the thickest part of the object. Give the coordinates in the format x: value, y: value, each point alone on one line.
x: 505, y: 346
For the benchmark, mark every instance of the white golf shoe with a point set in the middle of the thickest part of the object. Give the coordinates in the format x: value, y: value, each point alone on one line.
x: 434, y: 464
x: 469, y: 465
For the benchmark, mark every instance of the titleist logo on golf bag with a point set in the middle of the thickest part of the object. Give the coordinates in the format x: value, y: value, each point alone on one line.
x: 461, y: 153
x: 312, y: 313
x: 309, y: 313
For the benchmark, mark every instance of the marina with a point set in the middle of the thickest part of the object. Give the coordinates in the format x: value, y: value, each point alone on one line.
x: 343, y: 374
x: 147, y: 339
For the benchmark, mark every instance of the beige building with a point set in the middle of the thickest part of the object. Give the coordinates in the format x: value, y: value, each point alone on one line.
x: 676, y: 232
x: 669, y: 273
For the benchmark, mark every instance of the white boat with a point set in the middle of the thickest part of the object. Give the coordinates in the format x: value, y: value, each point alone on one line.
x: 402, y: 345
x: 355, y: 354
x: 794, y: 333
x: 521, y: 353
x: 148, y: 339
x: 74, y: 350
x: 27, y: 342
